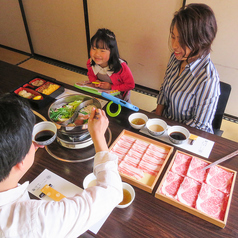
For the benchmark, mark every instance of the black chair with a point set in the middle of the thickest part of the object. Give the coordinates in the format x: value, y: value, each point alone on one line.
x: 221, y: 106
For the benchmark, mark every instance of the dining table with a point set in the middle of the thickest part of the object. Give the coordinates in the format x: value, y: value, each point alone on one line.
x: 147, y: 216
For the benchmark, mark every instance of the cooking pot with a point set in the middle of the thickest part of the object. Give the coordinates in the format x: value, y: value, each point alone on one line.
x: 72, y: 129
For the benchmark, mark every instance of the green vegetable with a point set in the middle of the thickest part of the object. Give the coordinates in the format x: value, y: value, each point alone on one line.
x: 74, y: 104
x: 64, y: 112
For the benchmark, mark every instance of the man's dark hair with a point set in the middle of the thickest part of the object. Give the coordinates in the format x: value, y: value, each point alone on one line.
x: 16, y: 126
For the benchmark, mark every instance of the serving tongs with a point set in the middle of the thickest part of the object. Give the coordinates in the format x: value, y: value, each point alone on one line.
x: 221, y: 160
x: 78, y: 108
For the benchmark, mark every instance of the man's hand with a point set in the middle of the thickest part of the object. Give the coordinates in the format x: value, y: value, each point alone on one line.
x: 97, y: 125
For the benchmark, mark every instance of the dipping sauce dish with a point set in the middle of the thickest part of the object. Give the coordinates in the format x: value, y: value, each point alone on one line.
x: 128, y: 195
x: 156, y: 126
x: 89, y: 181
x: 178, y: 134
x: 137, y: 120
x: 44, y: 133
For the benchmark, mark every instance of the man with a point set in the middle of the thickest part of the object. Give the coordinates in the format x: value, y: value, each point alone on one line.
x: 21, y: 216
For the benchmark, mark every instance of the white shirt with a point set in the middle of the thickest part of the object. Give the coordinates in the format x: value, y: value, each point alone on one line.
x: 23, y: 217
x: 97, y: 69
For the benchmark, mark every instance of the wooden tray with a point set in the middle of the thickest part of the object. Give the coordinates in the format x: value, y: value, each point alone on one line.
x: 194, y: 211
x: 148, y: 182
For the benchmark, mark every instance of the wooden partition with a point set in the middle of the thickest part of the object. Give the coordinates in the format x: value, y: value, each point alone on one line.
x: 12, y: 29
x: 224, y: 50
x: 142, y: 32
x: 57, y: 29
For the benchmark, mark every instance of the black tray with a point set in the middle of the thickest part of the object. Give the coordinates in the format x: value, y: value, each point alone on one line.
x: 36, y: 90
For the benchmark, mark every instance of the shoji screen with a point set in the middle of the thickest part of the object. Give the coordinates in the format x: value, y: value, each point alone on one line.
x: 12, y: 30
x: 57, y: 29
x: 142, y: 31
x: 225, y: 50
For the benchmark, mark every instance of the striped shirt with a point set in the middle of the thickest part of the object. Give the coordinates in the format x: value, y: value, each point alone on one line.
x: 192, y: 97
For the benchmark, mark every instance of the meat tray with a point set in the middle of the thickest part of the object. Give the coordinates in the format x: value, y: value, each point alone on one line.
x: 35, y: 88
x: 204, y: 193
x: 141, y: 159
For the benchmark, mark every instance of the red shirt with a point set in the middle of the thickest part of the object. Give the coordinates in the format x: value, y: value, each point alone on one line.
x: 121, y: 81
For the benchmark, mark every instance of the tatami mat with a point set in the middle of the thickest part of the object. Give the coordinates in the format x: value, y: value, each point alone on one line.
x: 143, y: 101
x: 230, y: 130
x: 11, y: 57
x: 140, y: 100
x: 52, y: 71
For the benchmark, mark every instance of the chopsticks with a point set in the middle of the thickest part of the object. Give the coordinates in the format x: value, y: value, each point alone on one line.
x: 221, y: 160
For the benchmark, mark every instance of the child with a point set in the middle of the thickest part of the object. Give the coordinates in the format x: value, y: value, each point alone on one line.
x: 191, y: 89
x: 106, y: 67
x: 21, y: 216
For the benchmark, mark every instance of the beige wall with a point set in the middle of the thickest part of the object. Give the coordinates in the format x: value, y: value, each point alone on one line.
x: 12, y: 30
x: 57, y: 29
x: 225, y: 49
x: 142, y: 28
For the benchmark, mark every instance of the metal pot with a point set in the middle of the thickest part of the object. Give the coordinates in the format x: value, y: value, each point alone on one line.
x: 72, y: 130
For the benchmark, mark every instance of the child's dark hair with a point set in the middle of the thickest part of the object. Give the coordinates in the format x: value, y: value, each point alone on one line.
x: 16, y: 126
x: 108, y: 39
x: 197, y: 28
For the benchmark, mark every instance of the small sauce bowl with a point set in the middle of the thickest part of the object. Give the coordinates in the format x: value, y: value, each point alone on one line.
x: 89, y: 181
x: 178, y: 134
x: 137, y: 120
x: 44, y: 133
x: 128, y: 195
x: 156, y: 126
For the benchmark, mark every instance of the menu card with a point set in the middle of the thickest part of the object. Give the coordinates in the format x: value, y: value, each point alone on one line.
x: 63, y: 186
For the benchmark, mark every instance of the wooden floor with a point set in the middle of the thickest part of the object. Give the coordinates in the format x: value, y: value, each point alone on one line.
x: 140, y: 100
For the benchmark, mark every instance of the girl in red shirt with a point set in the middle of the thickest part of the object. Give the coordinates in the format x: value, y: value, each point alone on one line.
x: 106, y: 67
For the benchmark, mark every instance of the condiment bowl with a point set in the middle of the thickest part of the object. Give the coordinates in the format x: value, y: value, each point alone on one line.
x: 127, y: 200
x: 178, y: 134
x: 156, y: 126
x: 137, y: 120
x: 44, y: 133
x: 89, y: 181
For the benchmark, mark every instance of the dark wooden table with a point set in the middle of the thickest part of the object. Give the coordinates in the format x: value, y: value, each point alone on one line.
x: 147, y: 216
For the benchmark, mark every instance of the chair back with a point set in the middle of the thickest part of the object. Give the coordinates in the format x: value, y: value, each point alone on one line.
x: 221, y: 106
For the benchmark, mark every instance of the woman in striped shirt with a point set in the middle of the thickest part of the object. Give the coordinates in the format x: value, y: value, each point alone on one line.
x: 191, y: 89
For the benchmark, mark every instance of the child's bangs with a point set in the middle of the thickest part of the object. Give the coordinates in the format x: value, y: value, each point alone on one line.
x: 100, y: 44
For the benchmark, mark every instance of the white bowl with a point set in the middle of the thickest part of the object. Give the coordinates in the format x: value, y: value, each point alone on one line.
x: 181, y: 134
x: 131, y: 190
x: 135, y: 116
x: 47, y: 129
x: 89, y: 181
x: 155, y: 122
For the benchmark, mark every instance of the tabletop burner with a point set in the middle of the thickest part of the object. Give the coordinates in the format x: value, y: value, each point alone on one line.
x: 78, y: 141
x: 78, y: 148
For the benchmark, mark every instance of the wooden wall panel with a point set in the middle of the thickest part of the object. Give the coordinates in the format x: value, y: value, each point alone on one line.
x: 142, y: 31
x: 225, y: 50
x: 57, y: 29
x: 12, y: 30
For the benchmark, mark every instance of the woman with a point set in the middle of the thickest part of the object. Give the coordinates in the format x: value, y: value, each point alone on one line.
x: 191, y: 89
